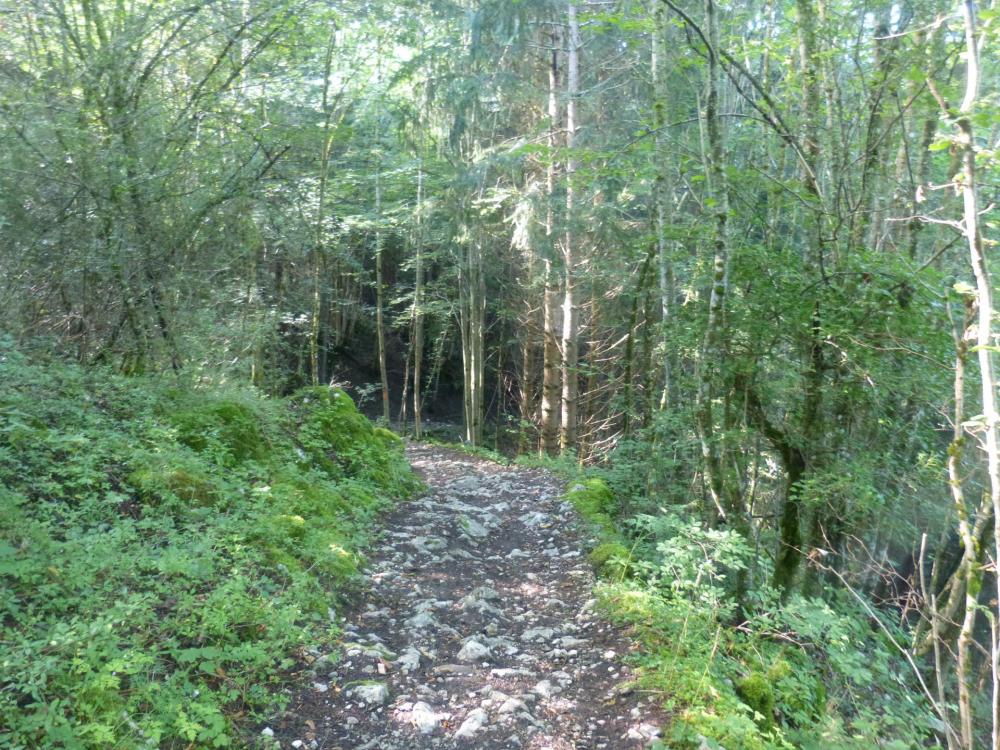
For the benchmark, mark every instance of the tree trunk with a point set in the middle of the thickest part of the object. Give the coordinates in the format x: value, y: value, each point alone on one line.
x: 418, y: 309
x: 570, y: 316
x: 661, y: 197
x: 319, y: 241
x: 551, y: 359
x: 710, y: 365
x: 379, y: 298
x: 967, y: 186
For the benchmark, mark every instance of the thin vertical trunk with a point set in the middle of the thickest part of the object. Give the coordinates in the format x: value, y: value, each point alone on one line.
x: 550, y: 348
x: 712, y: 352
x: 477, y: 316
x: 789, y: 553
x: 661, y: 197
x: 379, y: 290
x: 418, y: 308
x: 629, y: 408
x: 528, y: 355
x: 472, y: 313
x: 405, y: 395
x: 967, y: 186
x: 966, y: 586
x: 570, y: 330
x: 968, y: 568
x: 319, y: 245
x: 589, y: 435
x: 379, y: 295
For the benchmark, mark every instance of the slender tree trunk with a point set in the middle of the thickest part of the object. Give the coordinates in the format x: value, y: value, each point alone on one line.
x: 967, y: 186
x: 472, y: 311
x: 570, y: 331
x: 712, y: 352
x: 661, y: 196
x: 551, y: 359
x: 528, y: 355
x: 379, y: 287
x: 629, y: 377
x: 319, y: 242
x: 418, y: 309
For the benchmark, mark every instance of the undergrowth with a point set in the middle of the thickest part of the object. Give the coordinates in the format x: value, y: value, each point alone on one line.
x: 167, y: 553
x: 806, y: 674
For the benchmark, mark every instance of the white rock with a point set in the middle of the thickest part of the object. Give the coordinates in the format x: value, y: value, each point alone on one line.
x: 373, y: 693
x: 422, y: 621
x: 471, y: 527
x: 505, y: 672
x: 475, y: 721
x: 267, y: 732
x: 425, y: 718
x: 473, y: 650
x: 481, y: 594
x: 537, y: 634
x: 563, y: 678
x: 511, y: 705
x: 543, y: 688
x: 409, y: 660
x: 644, y: 731
x: 534, y: 519
x: 297, y: 743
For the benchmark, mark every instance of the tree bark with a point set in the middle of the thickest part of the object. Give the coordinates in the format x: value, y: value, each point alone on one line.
x: 570, y: 313
x: 379, y: 286
x: 551, y: 359
x: 418, y: 309
x: 710, y: 365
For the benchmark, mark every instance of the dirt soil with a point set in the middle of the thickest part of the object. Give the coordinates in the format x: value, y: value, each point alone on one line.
x: 476, y: 628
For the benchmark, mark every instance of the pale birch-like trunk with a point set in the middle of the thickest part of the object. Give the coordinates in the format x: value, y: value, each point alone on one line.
x: 379, y: 290
x: 661, y: 196
x: 966, y: 184
x: 472, y: 314
x: 319, y: 248
x: 528, y: 353
x: 551, y: 359
x: 712, y: 353
x: 966, y: 584
x: 418, y: 308
x: 570, y: 314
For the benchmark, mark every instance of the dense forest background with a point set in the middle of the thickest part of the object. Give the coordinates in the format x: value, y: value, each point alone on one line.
x: 733, y: 256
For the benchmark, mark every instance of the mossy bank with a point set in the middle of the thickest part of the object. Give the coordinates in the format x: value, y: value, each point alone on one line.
x: 167, y: 552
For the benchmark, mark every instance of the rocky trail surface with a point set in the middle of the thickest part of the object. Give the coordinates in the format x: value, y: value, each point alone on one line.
x: 476, y: 629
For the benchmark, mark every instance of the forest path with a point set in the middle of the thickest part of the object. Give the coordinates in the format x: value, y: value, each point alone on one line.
x: 476, y: 629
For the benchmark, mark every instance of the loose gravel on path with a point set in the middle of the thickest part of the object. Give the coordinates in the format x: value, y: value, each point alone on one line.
x: 476, y: 629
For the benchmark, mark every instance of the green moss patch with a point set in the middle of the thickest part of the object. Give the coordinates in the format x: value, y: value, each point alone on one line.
x: 594, y: 500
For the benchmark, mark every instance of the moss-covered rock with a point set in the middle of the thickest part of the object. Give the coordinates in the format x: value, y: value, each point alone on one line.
x: 167, y: 480
x: 757, y: 692
x: 800, y: 696
x: 229, y: 431
x: 594, y: 500
x: 611, y: 560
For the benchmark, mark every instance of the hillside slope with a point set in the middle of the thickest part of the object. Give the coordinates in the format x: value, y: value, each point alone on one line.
x: 167, y: 552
